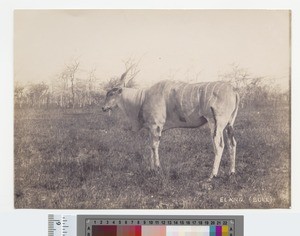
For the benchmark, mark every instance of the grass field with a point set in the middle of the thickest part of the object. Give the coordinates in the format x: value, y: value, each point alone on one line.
x: 87, y: 159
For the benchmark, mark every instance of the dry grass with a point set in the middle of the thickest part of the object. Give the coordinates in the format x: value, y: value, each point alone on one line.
x: 86, y: 159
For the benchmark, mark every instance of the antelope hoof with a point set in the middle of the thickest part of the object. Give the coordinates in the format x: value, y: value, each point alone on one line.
x: 211, y: 177
x: 207, y: 185
x: 155, y: 169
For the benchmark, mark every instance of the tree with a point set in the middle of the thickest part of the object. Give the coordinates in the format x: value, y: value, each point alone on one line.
x: 91, y: 85
x: 253, y: 90
x: 38, y: 94
x: 69, y: 75
x: 19, y: 95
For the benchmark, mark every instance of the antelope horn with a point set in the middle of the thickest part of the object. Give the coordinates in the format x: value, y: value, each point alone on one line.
x: 123, y: 76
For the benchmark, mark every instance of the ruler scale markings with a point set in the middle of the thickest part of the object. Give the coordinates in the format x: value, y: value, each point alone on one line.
x: 67, y: 225
x: 61, y: 225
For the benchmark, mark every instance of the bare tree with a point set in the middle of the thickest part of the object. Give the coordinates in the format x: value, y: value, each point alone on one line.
x: 255, y: 90
x: 192, y: 76
x: 91, y: 84
x: 38, y: 94
x: 19, y: 95
x: 69, y: 75
x: 60, y: 89
x: 246, y: 85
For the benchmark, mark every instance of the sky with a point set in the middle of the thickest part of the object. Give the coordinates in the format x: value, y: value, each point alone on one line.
x: 178, y: 44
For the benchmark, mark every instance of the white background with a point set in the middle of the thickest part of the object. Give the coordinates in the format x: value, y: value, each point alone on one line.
x: 34, y: 222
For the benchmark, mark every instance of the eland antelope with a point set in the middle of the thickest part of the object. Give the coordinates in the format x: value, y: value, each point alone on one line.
x: 169, y: 104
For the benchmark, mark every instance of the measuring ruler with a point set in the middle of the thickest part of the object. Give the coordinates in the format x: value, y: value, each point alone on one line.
x: 133, y: 225
x: 61, y: 225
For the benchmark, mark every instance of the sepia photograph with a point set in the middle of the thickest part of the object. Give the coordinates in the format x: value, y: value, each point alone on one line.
x: 152, y: 109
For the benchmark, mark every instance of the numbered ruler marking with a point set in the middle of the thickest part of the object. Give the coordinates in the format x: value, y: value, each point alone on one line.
x: 207, y: 222
x: 208, y: 225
